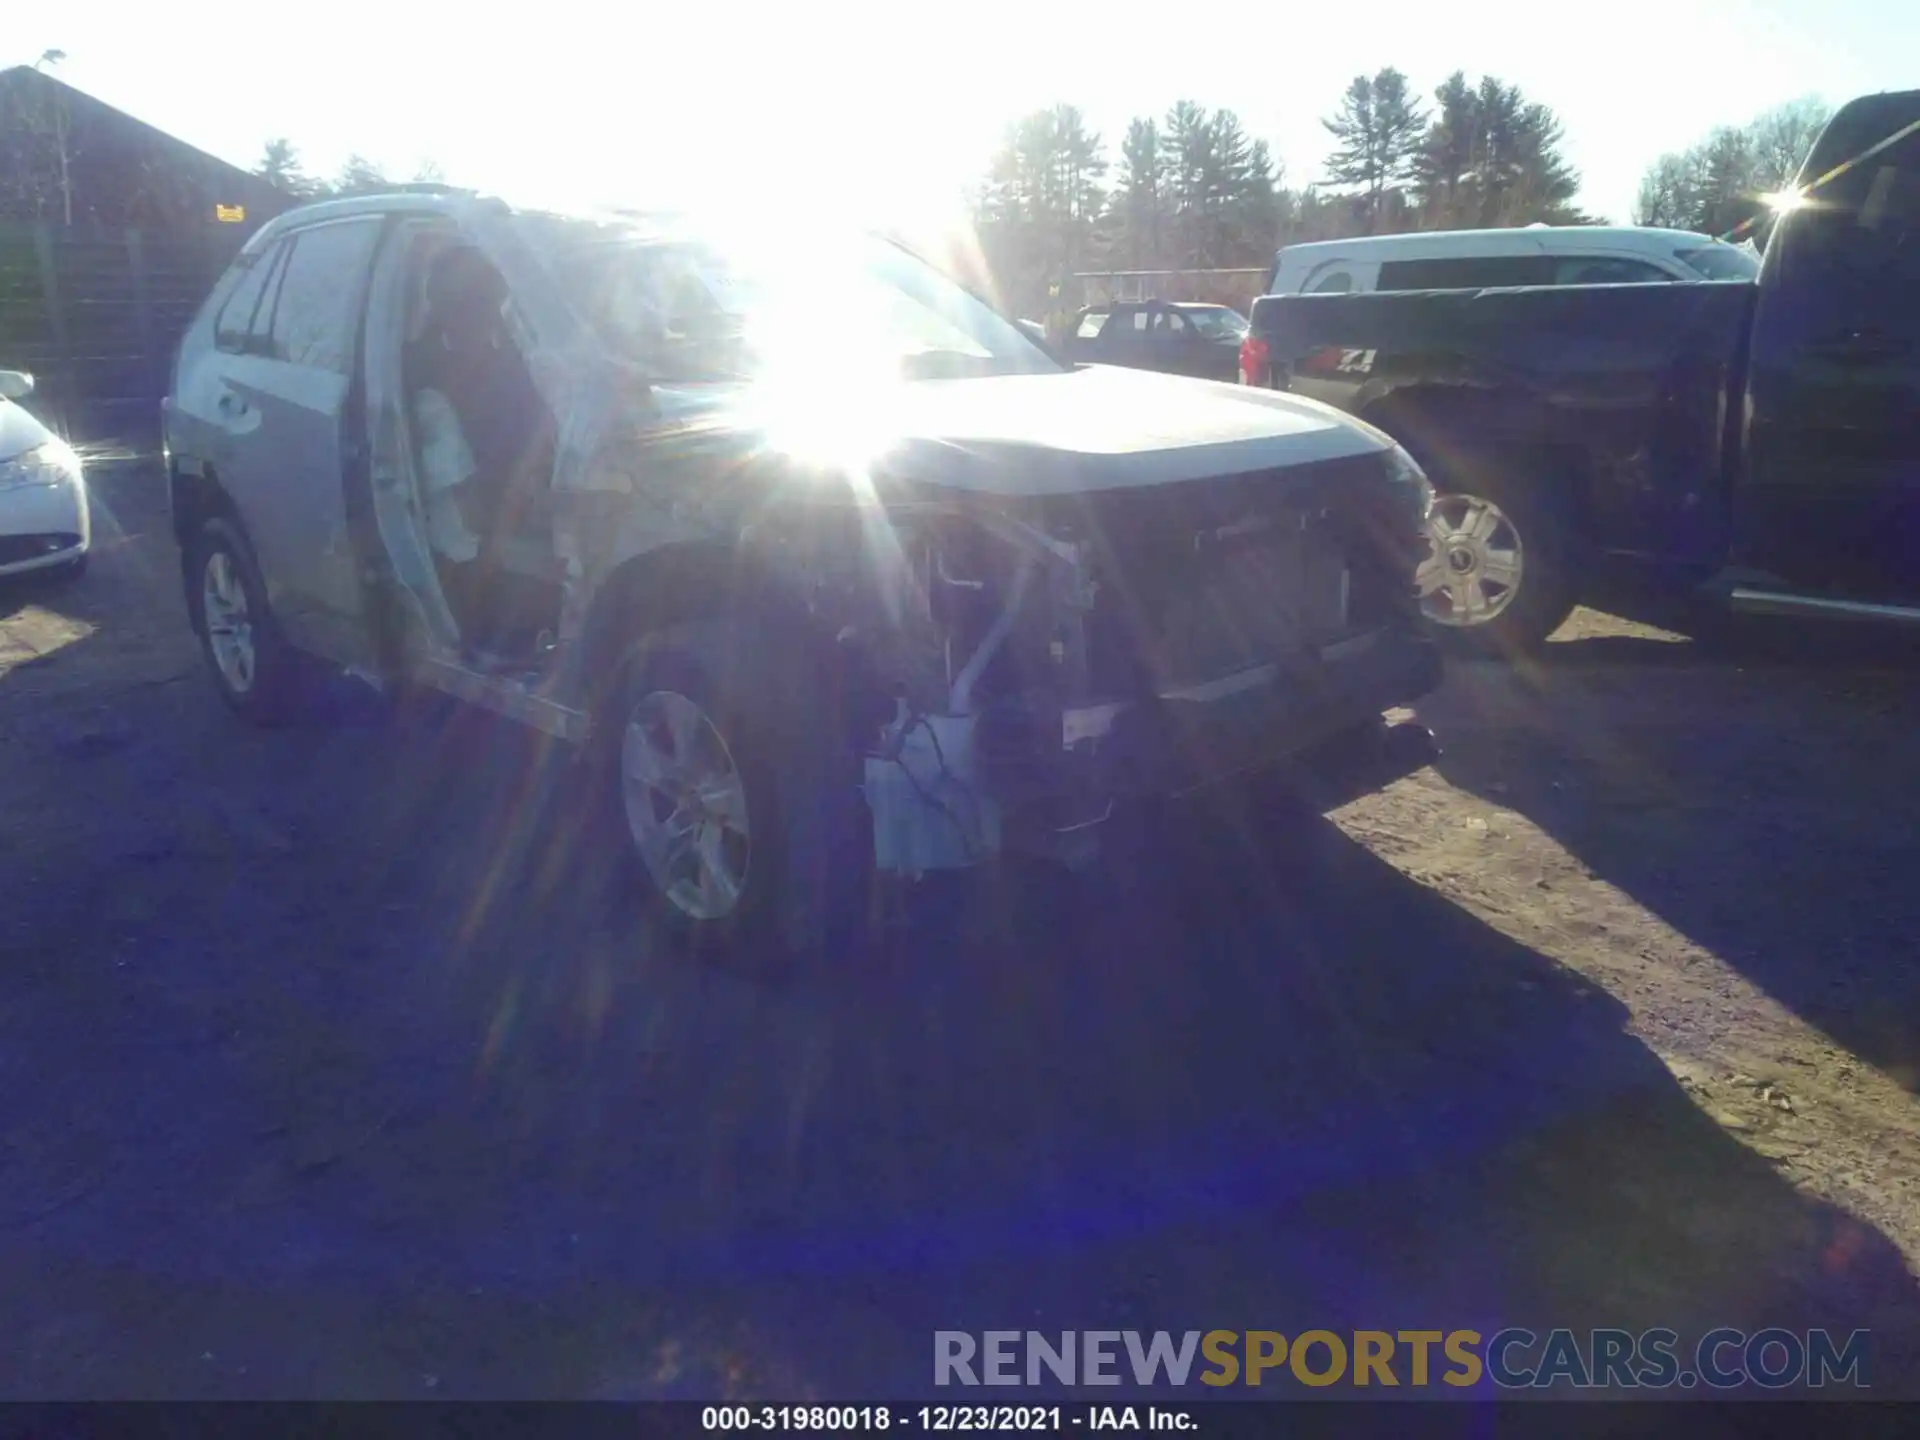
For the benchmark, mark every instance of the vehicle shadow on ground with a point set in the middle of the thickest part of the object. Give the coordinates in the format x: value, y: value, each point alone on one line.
x: 1762, y: 811
x: 353, y: 1077
x: 1248, y: 1076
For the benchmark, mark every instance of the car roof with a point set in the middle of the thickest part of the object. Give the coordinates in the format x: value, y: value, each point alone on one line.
x: 409, y: 200
x: 1529, y: 239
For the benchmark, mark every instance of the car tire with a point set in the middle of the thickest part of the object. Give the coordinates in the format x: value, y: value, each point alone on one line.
x: 732, y: 802
x: 1504, y: 572
x: 256, y: 672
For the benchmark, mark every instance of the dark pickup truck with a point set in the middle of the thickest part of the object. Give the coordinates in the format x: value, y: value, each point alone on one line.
x: 1755, y: 441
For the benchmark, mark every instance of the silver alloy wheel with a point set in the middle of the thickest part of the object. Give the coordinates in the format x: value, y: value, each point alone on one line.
x: 223, y: 605
x: 686, y: 804
x: 1477, y: 564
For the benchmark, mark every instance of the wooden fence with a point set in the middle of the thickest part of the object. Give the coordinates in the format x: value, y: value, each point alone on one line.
x: 95, y: 315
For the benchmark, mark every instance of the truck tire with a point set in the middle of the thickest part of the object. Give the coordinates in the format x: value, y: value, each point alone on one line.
x: 739, y: 818
x: 1504, y: 573
x: 256, y: 671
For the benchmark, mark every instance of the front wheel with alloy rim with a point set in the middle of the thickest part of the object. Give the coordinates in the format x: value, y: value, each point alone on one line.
x: 1499, y: 576
x: 734, y: 797
x: 251, y: 664
x: 698, y: 810
x: 685, y: 799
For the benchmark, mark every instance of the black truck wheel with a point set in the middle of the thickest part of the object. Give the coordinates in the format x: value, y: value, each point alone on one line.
x: 1503, y: 573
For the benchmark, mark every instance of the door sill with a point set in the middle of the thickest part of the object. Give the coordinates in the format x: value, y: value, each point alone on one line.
x: 514, y: 696
x: 1782, y: 602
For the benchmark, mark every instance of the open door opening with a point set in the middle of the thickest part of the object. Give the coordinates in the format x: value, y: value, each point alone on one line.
x: 484, y: 451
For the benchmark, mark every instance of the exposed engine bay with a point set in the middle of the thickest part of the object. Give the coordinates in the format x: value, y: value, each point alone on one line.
x: 1044, y: 661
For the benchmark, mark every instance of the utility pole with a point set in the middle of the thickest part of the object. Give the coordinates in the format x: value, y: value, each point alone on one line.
x: 54, y: 57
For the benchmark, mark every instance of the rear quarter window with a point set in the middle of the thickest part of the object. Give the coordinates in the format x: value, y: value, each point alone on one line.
x: 1606, y: 270
x: 243, y: 311
x: 317, y: 309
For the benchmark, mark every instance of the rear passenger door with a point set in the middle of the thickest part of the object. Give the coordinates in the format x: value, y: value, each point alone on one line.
x: 1083, y: 344
x: 1126, y: 337
x: 289, y: 409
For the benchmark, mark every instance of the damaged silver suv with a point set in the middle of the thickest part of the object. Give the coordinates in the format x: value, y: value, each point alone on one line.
x: 823, y: 562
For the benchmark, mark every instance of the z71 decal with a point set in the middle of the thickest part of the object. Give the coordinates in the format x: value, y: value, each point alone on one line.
x: 1341, y: 362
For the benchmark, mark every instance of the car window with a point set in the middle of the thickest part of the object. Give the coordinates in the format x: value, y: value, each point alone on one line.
x: 1142, y: 321
x: 237, y: 317
x: 1865, y: 226
x: 1175, y: 324
x: 1467, y: 272
x: 1605, y: 270
x: 315, y: 313
x: 1337, y: 283
x: 1090, y: 324
x: 1721, y: 262
x: 1218, y: 323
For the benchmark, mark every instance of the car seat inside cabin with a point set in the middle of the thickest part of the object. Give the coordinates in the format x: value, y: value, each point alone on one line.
x: 485, y: 450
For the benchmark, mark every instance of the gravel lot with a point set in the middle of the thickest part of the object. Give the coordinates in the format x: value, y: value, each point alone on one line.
x: 328, y: 1072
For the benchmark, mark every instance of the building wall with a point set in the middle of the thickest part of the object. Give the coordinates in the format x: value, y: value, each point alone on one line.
x: 111, y: 234
x: 68, y: 159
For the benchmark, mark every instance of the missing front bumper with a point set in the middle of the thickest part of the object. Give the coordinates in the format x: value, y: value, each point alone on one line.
x: 1041, y: 774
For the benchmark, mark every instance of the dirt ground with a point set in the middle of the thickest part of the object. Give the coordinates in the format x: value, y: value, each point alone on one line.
x: 329, y: 1069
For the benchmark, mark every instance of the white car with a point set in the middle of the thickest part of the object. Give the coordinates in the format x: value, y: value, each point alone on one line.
x: 43, y: 492
x: 1503, y: 259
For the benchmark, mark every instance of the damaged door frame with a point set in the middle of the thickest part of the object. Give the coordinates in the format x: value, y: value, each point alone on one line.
x: 428, y: 648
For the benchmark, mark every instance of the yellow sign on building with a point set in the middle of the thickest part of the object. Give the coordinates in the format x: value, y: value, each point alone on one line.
x: 230, y: 214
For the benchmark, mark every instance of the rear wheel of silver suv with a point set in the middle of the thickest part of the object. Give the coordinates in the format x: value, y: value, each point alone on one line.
x: 253, y: 667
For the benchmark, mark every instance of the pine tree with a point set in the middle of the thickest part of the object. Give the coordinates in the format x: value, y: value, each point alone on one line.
x: 359, y: 176
x: 1491, y: 158
x: 1444, y: 162
x: 1379, y: 127
x: 280, y: 167
x: 1139, y: 214
x: 1186, y: 145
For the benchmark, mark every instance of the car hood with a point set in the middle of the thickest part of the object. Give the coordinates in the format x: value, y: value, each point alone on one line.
x: 19, y: 431
x: 1093, y: 428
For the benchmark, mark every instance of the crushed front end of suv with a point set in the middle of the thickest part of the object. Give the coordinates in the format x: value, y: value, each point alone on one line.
x: 825, y: 565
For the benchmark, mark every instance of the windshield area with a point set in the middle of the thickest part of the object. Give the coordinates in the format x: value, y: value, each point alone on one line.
x: 1218, y: 323
x: 690, y: 309
x: 1721, y: 262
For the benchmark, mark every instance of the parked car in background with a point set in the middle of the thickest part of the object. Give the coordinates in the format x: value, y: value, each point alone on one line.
x: 867, y: 579
x: 1488, y: 259
x: 44, y: 525
x: 1755, y: 438
x: 1175, y: 337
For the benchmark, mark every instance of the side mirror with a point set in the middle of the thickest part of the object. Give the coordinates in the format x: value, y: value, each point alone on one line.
x: 15, y: 384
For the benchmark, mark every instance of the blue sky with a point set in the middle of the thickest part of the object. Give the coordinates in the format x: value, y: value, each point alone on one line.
x: 889, y: 108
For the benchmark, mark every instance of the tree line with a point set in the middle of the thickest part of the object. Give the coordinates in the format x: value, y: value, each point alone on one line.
x: 1715, y: 186
x: 1193, y: 190
x: 280, y: 165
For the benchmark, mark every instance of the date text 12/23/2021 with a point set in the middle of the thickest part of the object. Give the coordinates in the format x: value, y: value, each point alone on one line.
x: 940, y: 1419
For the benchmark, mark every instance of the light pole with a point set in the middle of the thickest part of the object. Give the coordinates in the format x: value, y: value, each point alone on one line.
x: 54, y: 57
